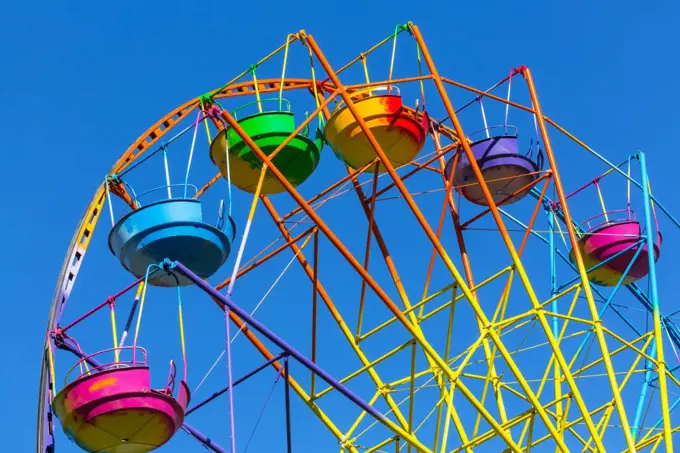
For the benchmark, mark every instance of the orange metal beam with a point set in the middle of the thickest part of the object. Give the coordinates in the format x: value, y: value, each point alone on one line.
x: 209, y: 184
x: 506, y: 199
x: 315, y: 292
x: 326, y: 191
x: 389, y: 262
x: 559, y: 188
x: 419, y: 166
x: 504, y: 233
x: 416, y: 211
x: 371, y: 222
x: 488, y: 95
x: 467, y: 267
x: 262, y: 349
x: 309, y: 270
x: 269, y: 256
x: 534, y: 215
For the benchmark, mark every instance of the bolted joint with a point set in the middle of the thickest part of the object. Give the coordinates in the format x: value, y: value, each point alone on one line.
x: 114, y: 180
x: 167, y: 264
x: 437, y: 126
x: 519, y: 70
x: 205, y: 99
x: 56, y: 332
x: 385, y: 389
x: 58, y: 337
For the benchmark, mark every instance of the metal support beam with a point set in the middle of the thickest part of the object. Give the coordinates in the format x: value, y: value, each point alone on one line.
x: 297, y: 355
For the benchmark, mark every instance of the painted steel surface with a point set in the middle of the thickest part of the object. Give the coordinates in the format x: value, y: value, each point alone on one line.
x: 297, y: 160
x: 607, y: 241
x: 116, y: 411
x: 172, y: 229
x: 491, y: 409
x: 505, y: 171
x: 398, y: 132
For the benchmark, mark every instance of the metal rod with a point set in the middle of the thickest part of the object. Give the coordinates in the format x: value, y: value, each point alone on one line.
x: 315, y: 292
x: 271, y: 255
x: 163, y: 147
x: 167, y: 174
x: 67, y: 344
x: 654, y: 295
x: 202, y: 438
x: 557, y: 181
x: 232, y: 416
x: 617, y: 169
x: 646, y: 383
x: 191, y: 156
x: 371, y: 220
x: 235, y: 383
x: 554, y: 305
x: 131, y: 315
x: 301, y: 358
x: 467, y: 393
x: 255, y: 341
x: 289, y: 439
x: 632, y: 287
x: 520, y: 270
x: 108, y: 301
x: 610, y: 299
x: 334, y: 312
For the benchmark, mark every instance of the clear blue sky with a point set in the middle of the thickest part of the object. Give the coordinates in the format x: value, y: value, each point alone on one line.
x: 81, y: 80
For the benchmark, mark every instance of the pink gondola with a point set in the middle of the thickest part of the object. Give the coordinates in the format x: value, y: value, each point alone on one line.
x: 617, y: 233
x: 112, y: 408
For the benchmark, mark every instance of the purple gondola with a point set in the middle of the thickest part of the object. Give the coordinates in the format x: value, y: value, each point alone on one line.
x: 505, y: 170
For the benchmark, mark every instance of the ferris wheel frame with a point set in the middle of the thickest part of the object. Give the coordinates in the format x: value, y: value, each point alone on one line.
x: 333, y: 88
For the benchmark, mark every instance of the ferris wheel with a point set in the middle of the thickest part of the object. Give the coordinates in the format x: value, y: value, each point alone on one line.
x: 403, y: 267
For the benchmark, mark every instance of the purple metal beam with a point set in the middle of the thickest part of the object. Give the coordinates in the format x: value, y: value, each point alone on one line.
x: 67, y: 344
x: 202, y: 438
x: 236, y: 382
x: 289, y: 438
x: 257, y: 325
